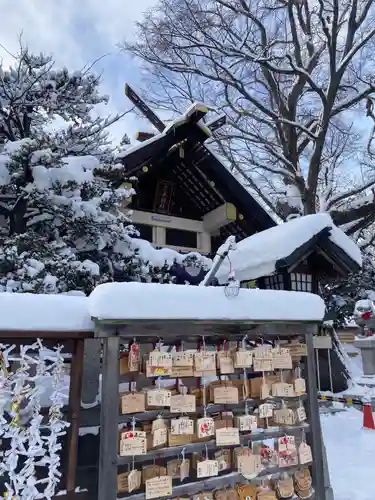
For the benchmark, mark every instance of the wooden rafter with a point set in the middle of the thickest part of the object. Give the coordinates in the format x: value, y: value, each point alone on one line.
x: 155, y: 120
x: 146, y: 110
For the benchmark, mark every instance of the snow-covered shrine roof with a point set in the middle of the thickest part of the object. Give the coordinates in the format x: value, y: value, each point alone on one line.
x: 129, y: 302
x: 205, y: 171
x: 261, y: 254
x: 28, y: 312
x: 196, y: 110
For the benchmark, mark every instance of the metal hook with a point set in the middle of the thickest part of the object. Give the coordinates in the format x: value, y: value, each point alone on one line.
x: 203, y: 342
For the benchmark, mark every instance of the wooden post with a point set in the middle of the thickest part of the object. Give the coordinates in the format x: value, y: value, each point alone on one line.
x: 91, y: 371
x: 75, y: 389
x: 314, y: 420
x: 109, y: 420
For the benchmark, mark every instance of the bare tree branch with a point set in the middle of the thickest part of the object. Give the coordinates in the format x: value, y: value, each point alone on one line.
x: 291, y: 77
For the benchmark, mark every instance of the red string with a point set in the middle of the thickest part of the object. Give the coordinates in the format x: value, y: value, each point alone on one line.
x: 154, y: 379
x: 230, y: 264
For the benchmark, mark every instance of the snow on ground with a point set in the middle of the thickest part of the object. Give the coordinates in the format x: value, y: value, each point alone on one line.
x: 353, y: 360
x: 351, y: 455
x: 350, y: 448
x: 359, y: 385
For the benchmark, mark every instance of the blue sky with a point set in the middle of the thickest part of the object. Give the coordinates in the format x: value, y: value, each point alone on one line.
x: 78, y: 32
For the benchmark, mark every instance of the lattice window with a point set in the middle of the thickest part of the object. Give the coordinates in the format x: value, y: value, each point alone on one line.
x: 301, y: 282
x: 274, y: 282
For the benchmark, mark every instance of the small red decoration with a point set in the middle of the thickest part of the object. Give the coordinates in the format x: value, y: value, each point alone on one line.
x: 204, y: 428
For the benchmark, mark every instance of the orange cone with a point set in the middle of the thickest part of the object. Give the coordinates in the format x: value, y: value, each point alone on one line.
x: 368, y: 419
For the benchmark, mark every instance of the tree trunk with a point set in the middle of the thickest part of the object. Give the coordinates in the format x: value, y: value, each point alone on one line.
x: 17, y: 221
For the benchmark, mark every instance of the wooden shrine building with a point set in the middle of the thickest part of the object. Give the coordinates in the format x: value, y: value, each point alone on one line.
x: 186, y: 198
x: 299, y: 255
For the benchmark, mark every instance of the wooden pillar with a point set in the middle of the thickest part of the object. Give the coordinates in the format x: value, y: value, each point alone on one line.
x: 91, y: 371
x: 109, y: 420
x: 75, y: 390
x: 316, y: 442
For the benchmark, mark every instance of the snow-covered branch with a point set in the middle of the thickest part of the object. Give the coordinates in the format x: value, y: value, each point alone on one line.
x: 65, y: 227
x: 289, y: 75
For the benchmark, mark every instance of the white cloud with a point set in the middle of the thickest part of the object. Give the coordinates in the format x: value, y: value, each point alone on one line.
x: 77, y: 33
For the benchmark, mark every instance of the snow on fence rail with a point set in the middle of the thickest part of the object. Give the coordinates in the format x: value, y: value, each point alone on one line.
x: 21, y: 312
x: 154, y: 301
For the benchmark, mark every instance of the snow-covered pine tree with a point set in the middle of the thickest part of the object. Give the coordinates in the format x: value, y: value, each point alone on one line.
x: 61, y: 227
x: 341, y: 295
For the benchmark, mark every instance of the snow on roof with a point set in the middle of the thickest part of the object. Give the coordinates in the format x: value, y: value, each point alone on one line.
x: 154, y: 301
x: 138, y: 146
x: 185, y: 117
x: 44, y: 313
x: 257, y: 255
x: 180, y: 120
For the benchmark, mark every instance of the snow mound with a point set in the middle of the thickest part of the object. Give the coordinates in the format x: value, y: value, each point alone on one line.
x: 160, y: 257
x: 257, y: 255
x: 78, y: 169
x: 154, y: 301
x: 4, y: 173
x: 350, y: 454
x: 42, y: 313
